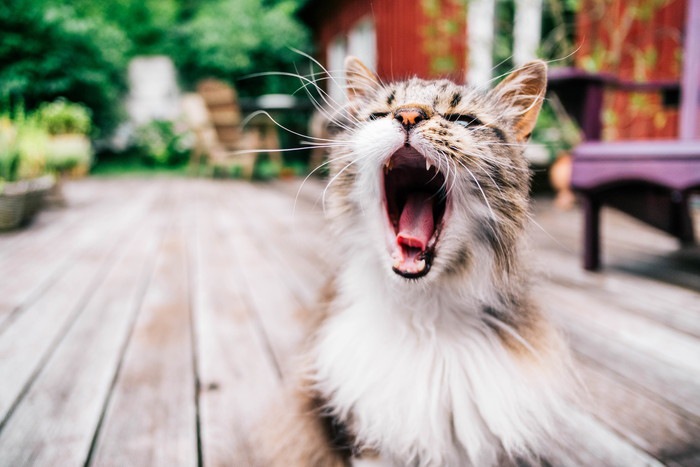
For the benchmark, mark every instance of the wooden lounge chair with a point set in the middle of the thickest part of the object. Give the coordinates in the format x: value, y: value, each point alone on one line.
x: 214, y: 115
x: 650, y: 180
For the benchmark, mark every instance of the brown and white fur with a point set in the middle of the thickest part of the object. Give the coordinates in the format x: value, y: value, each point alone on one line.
x: 434, y: 355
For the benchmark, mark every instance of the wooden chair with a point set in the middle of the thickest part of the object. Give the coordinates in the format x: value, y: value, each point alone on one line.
x: 650, y: 180
x: 215, y: 117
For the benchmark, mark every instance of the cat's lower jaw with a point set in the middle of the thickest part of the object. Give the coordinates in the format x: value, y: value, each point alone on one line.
x: 430, y: 383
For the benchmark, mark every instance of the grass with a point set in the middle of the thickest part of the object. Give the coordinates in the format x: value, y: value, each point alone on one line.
x: 125, y: 165
x: 132, y: 165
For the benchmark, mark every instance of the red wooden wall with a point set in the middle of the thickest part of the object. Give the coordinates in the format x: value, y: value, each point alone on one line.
x: 636, y: 40
x: 425, y: 38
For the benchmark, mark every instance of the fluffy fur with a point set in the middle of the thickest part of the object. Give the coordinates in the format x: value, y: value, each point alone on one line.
x: 457, y: 367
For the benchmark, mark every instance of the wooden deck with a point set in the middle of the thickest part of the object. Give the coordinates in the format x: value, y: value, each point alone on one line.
x: 152, y: 321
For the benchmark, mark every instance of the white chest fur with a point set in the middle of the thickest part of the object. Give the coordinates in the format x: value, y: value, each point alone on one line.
x: 420, y: 395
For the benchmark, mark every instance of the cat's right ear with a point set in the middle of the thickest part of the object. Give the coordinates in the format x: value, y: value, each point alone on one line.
x: 522, y: 94
x: 359, y: 80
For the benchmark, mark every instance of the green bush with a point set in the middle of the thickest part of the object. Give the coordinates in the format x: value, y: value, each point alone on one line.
x: 230, y: 39
x: 65, y: 153
x: 48, y: 52
x: 9, y: 155
x: 23, y: 145
x: 158, y: 143
x: 62, y: 117
x: 32, y: 145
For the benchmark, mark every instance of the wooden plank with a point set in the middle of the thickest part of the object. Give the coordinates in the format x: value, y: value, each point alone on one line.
x: 640, y: 371
x: 277, y: 308
x: 648, y: 423
x: 585, y: 441
x: 616, y: 228
x: 27, y: 340
x: 33, y: 269
x: 667, y: 304
x: 304, y: 256
x: 56, y: 420
x: 692, y: 460
x: 55, y: 224
x: 151, y: 418
x: 637, y: 332
x: 646, y: 252
x: 237, y: 373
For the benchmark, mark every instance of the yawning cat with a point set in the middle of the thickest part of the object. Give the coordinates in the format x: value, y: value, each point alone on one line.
x: 430, y: 350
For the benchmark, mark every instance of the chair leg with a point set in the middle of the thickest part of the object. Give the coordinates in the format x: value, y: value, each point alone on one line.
x: 683, y: 222
x: 591, y: 233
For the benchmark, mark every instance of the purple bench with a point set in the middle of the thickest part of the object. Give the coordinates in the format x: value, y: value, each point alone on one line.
x: 650, y: 180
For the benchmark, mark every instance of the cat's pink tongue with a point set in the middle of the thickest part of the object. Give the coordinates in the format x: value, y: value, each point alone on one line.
x: 416, y: 224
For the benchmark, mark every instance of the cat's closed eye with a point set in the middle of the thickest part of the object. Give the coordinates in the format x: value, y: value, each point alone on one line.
x: 465, y: 120
x: 377, y: 115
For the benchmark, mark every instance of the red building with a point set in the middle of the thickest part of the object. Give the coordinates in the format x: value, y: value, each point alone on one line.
x: 397, y: 38
x: 638, y: 41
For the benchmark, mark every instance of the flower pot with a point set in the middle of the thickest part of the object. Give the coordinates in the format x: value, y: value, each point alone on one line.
x: 12, y: 202
x: 69, y: 154
x: 20, y: 201
x: 35, y: 195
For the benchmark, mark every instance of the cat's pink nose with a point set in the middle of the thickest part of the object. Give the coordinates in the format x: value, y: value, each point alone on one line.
x: 409, y: 117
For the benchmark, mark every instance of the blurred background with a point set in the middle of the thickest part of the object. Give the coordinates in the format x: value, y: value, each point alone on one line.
x: 146, y: 82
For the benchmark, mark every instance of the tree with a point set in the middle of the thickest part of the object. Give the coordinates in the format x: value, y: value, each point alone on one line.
x: 230, y: 39
x: 47, y: 53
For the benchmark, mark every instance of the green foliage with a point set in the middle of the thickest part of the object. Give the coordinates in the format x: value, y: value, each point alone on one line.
x: 9, y: 155
x: 62, y: 117
x: 503, y: 40
x: 48, y: 52
x: 66, y: 152
x: 31, y: 143
x: 28, y: 149
x: 158, y: 143
x: 230, y: 39
x: 555, y: 129
x: 23, y: 143
x: 147, y: 23
x: 558, y: 30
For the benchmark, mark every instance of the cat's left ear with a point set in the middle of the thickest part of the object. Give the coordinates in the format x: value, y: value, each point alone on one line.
x: 522, y: 94
x: 359, y: 80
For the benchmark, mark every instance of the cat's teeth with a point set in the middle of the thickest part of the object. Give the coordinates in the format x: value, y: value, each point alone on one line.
x: 388, y: 166
x: 420, y: 265
x: 428, y: 165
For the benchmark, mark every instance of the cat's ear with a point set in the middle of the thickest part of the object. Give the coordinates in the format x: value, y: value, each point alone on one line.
x: 359, y: 80
x: 522, y: 94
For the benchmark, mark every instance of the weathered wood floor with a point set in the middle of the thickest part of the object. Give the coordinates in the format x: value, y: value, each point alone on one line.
x: 152, y: 321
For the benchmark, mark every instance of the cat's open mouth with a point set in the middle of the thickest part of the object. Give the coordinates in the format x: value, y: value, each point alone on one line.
x: 415, y: 201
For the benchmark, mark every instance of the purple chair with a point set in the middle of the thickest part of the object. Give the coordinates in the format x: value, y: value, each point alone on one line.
x: 650, y: 180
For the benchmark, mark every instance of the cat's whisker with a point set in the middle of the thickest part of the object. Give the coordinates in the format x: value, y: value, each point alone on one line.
x: 514, y: 334
x: 306, y: 82
x: 316, y: 144
x: 328, y: 73
x: 340, y: 172
x: 262, y: 151
x: 267, y: 114
x: 318, y: 167
x: 338, y: 110
x: 483, y: 194
x: 451, y: 170
x: 549, y: 235
x: 485, y: 159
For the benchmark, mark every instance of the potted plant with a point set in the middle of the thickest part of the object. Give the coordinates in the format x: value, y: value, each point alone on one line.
x: 69, y: 152
x: 23, y: 179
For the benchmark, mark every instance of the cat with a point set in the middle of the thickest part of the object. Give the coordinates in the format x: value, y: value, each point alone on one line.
x: 429, y: 350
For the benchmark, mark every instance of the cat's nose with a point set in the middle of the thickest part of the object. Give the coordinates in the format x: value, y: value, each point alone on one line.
x: 409, y: 117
